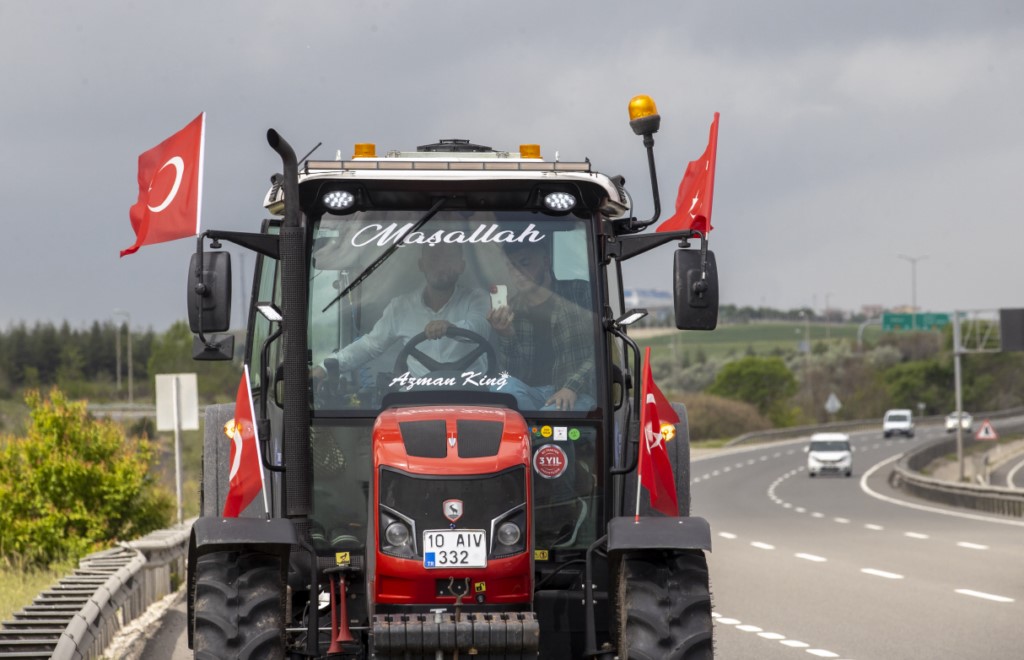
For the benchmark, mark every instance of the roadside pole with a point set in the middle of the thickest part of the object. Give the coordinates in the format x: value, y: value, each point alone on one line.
x: 958, y: 389
x: 177, y: 409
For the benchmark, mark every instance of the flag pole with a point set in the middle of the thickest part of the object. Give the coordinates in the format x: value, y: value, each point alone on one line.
x: 256, y: 437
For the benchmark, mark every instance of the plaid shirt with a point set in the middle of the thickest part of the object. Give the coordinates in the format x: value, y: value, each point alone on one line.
x: 572, y: 339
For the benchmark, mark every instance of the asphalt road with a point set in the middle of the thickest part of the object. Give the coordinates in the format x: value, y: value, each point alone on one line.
x: 835, y: 567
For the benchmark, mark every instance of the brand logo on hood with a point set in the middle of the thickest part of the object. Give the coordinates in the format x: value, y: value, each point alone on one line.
x: 452, y: 509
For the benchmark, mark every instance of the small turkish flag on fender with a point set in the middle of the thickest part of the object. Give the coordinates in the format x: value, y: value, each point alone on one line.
x: 655, y: 467
x: 245, y: 481
x: 170, y: 188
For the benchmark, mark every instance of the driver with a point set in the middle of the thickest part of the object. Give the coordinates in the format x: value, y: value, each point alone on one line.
x: 433, y: 308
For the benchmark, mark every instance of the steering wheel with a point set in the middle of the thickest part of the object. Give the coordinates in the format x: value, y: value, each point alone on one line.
x: 482, y: 347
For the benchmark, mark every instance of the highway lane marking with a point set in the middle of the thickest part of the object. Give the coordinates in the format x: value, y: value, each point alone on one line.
x: 915, y: 535
x: 772, y: 636
x: 882, y: 574
x: 809, y: 557
x: 873, y: 527
x: 982, y: 594
x: 972, y: 546
x: 842, y: 521
x: 762, y: 545
x: 1012, y: 474
x: 922, y: 507
x: 727, y: 535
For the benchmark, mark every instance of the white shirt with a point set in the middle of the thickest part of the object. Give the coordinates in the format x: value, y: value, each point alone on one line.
x: 406, y: 316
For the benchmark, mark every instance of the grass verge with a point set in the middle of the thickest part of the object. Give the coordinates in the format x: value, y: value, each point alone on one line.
x: 19, y: 586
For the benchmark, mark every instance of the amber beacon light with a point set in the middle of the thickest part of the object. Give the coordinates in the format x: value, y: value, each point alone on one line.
x: 643, y: 115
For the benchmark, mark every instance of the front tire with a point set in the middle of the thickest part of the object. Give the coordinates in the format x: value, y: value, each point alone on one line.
x: 239, y: 607
x: 664, y: 606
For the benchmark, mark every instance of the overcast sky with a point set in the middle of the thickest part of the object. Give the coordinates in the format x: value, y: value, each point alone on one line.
x: 851, y: 132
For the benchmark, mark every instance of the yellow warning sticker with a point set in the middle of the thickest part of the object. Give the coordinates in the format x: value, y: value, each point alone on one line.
x: 342, y: 558
x: 540, y: 555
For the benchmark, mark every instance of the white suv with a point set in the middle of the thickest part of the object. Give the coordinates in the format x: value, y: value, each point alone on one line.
x: 898, y: 422
x: 829, y: 453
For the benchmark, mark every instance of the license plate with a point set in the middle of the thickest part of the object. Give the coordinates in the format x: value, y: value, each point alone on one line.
x: 454, y: 548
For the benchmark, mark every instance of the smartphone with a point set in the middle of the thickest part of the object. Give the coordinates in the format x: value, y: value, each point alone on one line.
x: 499, y: 296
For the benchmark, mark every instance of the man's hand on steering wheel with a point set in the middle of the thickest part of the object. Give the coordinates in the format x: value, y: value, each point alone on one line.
x: 436, y: 329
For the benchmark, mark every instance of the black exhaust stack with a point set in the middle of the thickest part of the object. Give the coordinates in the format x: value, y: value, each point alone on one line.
x: 298, y: 488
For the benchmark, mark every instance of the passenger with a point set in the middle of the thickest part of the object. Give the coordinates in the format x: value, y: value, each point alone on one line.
x: 442, y: 302
x: 545, y: 334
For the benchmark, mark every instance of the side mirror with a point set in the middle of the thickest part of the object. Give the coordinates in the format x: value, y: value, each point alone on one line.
x: 695, y: 290
x: 209, y: 302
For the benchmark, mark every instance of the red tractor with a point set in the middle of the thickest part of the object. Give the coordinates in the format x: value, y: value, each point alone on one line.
x: 447, y: 401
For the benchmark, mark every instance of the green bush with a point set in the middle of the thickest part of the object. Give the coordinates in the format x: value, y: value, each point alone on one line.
x: 715, y: 418
x: 74, y: 484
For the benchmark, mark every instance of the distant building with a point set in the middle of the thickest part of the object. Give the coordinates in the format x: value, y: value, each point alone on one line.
x: 659, y: 304
x: 649, y: 299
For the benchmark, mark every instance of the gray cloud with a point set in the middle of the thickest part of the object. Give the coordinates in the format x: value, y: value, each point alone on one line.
x: 850, y: 132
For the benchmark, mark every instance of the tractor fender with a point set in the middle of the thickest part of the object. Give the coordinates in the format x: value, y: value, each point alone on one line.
x: 214, y: 534
x: 658, y: 533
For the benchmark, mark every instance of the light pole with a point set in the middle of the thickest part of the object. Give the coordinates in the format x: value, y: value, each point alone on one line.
x: 913, y: 286
x: 128, y: 322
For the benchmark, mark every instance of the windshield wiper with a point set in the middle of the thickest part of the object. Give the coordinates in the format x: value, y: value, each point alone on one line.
x: 387, y: 253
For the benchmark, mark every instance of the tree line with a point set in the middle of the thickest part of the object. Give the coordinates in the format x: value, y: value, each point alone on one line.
x: 84, y: 362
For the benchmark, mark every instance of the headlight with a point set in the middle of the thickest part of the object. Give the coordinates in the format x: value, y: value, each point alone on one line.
x: 509, y: 534
x: 397, y: 534
x: 398, y: 537
x: 507, y: 537
x: 560, y: 202
x: 337, y: 201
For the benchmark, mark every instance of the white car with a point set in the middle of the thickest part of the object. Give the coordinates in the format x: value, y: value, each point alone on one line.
x: 829, y: 453
x: 966, y: 421
x: 899, y: 421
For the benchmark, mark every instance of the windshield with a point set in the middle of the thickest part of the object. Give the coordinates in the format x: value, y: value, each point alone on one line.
x: 830, y: 445
x: 491, y: 302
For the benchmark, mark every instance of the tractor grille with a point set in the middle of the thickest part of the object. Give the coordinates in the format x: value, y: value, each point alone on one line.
x: 484, y: 497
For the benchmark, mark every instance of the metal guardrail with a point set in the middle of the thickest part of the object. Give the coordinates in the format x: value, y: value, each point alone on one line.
x: 907, y: 476
x: 77, y: 618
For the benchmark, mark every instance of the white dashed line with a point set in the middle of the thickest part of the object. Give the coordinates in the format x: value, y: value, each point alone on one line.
x: 842, y: 521
x: 982, y: 594
x: 874, y: 528
x: 915, y: 535
x: 883, y: 574
x: 804, y: 555
x: 763, y: 546
x: 727, y: 535
x: 773, y: 636
x: 972, y: 546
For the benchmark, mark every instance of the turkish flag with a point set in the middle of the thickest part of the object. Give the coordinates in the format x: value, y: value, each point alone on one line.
x: 170, y: 188
x: 245, y: 480
x: 655, y: 468
x: 696, y: 191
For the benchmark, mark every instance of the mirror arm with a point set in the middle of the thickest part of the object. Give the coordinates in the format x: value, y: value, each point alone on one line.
x: 629, y: 246
x: 265, y: 244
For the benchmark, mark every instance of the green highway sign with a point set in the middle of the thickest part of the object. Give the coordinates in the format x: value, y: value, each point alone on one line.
x: 921, y: 321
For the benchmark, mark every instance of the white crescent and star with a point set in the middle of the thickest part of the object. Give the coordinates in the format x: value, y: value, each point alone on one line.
x: 179, y: 169
x: 649, y: 430
x: 236, y: 459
